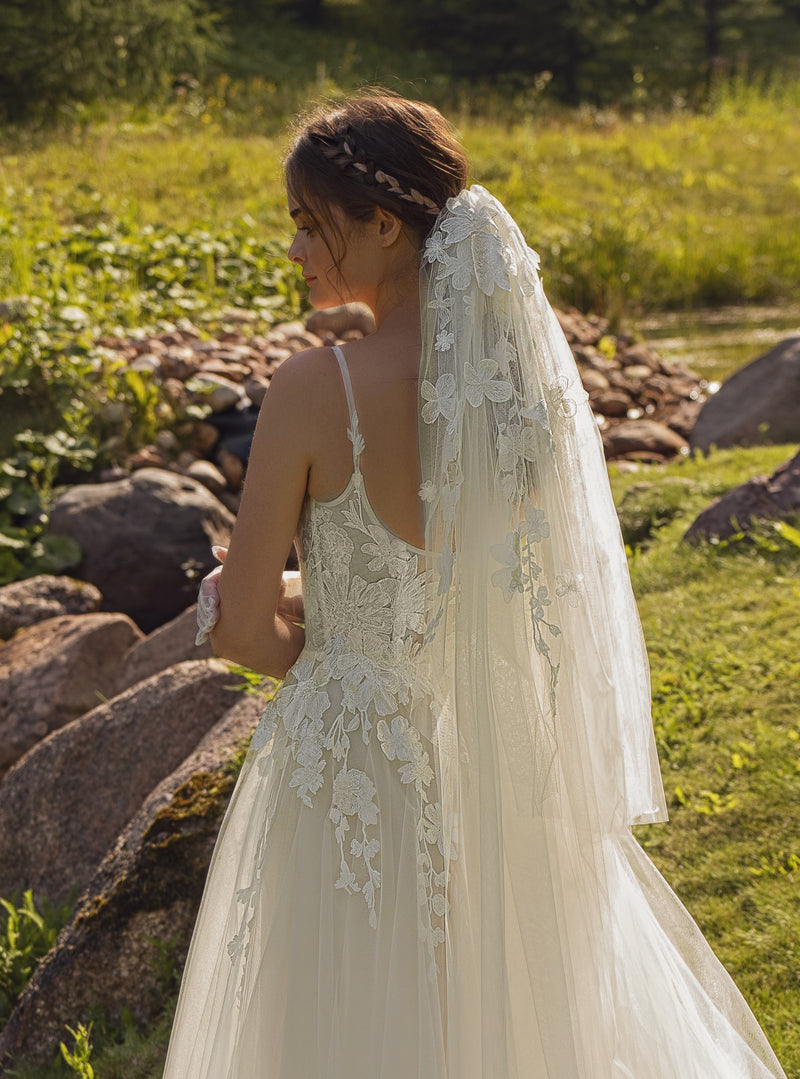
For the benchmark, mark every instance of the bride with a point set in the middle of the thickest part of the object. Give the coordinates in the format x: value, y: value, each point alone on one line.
x: 427, y: 869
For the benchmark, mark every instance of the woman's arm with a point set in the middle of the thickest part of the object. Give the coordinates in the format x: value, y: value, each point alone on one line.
x: 250, y: 630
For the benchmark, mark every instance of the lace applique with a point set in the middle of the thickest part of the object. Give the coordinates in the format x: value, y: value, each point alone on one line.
x: 367, y: 593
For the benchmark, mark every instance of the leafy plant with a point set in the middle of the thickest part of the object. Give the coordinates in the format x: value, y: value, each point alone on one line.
x: 26, y: 935
x: 78, y: 1059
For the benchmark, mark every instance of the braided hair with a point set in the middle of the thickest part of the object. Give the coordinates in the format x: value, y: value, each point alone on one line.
x: 375, y: 150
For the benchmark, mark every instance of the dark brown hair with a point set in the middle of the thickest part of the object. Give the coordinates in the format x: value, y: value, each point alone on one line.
x: 375, y: 150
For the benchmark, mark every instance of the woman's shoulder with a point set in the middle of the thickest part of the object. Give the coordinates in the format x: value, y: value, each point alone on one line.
x: 305, y: 379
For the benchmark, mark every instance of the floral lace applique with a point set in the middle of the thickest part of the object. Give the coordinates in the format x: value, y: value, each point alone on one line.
x: 356, y: 679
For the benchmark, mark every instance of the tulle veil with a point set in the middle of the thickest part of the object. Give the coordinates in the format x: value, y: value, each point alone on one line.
x: 563, y: 951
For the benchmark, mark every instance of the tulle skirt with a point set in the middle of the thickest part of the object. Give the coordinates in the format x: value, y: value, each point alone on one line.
x: 287, y: 979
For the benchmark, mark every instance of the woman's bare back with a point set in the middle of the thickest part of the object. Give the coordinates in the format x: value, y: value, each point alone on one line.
x: 384, y: 381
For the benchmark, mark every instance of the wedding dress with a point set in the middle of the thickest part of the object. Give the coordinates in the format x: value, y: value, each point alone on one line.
x: 426, y: 870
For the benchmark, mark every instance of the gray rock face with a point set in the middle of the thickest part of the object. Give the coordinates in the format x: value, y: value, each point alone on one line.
x: 763, y: 498
x: 146, y: 540
x: 64, y: 803
x: 149, y: 885
x: 169, y: 644
x: 24, y: 603
x: 758, y: 404
x: 55, y: 671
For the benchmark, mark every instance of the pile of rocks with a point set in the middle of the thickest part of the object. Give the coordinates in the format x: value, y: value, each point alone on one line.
x: 645, y: 406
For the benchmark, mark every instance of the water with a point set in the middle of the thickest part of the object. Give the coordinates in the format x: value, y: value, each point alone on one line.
x: 714, y: 343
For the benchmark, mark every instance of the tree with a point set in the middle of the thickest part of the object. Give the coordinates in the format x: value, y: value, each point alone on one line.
x: 53, y: 51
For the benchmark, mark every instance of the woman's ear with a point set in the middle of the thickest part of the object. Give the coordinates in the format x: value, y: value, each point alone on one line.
x: 389, y: 227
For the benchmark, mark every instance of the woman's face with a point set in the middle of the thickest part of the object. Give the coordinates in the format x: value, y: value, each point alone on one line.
x: 330, y: 283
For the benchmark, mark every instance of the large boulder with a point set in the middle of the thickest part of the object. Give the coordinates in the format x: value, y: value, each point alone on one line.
x: 758, y: 404
x: 169, y: 644
x: 24, y: 603
x: 142, y: 900
x: 146, y: 540
x: 55, y: 671
x: 762, y: 498
x: 64, y: 803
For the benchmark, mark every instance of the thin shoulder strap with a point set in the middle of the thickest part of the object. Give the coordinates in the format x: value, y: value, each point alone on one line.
x: 353, y: 432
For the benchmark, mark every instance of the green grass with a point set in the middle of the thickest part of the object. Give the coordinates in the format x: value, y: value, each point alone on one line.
x: 638, y: 212
x: 723, y: 636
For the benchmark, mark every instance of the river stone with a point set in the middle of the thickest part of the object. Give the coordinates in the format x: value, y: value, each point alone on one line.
x: 148, y: 886
x: 146, y: 540
x: 65, y: 801
x: 758, y: 404
x: 762, y: 498
x: 645, y: 436
x: 24, y: 603
x: 53, y: 672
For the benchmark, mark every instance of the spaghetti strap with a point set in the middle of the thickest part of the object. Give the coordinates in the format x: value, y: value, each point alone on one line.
x: 353, y: 432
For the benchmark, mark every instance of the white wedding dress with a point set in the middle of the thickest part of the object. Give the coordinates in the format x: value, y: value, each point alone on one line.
x: 335, y: 938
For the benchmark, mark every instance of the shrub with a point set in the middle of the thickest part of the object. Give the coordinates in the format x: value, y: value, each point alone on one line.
x: 53, y: 51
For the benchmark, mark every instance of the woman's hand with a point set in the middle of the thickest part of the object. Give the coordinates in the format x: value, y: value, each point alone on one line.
x: 208, y: 598
x: 290, y: 598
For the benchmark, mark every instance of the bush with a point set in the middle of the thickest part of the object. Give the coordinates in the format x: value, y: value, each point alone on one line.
x: 54, y: 51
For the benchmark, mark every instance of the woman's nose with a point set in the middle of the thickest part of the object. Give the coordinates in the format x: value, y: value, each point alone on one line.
x: 295, y: 253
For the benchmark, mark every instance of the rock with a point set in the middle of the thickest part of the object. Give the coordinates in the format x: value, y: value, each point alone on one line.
x: 580, y: 329
x: 231, y: 370
x: 639, y: 355
x: 337, y: 320
x: 148, y: 886
x: 147, y: 457
x: 611, y: 403
x: 256, y: 389
x: 648, y: 436
x: 233, y: 469
x: 217, y: 392
x: 762, y: 498
x: 593, y: 380
x: 638, y: 372
x: 758, y: 404
x: 207, y: 474
x: 54, y: 671
x: 204, y: 436
x: 146, y: 540
x: 24, y: 603
x: 65, y: 801
x: 147, y: 361
x: 178, y: 361
x: 169, y: 644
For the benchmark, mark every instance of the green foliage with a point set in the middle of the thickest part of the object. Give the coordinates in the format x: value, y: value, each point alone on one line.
x: 26, y: 935
x: 57, y: 51
x: 78, y: 1060
x: 71, y: 405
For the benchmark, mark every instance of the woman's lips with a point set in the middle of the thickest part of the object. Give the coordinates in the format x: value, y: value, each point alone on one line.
x: 308, y: 280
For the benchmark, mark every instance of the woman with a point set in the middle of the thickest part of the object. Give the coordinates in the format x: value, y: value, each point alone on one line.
x: 427, y: 868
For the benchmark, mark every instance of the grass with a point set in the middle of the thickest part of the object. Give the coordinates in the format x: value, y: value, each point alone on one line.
x: 723, y: 638
x: 674, y: 209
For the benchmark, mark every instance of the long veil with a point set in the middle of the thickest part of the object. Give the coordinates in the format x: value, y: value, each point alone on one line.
x: 559, y: 942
